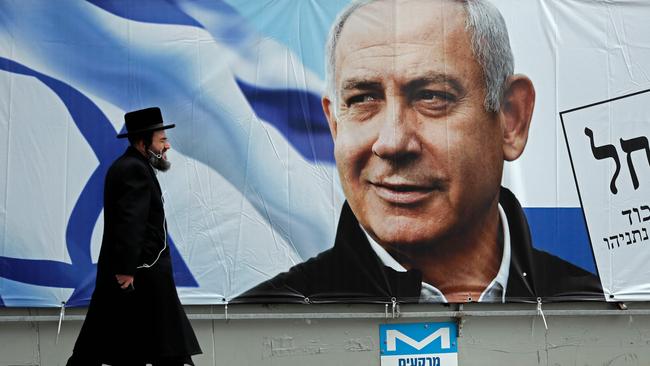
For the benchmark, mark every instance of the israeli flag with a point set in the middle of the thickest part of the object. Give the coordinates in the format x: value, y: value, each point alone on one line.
x: 252, y: 190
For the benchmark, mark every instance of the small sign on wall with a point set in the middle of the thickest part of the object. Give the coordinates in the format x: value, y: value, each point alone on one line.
x: 418, y: 344
x: 610, y: 156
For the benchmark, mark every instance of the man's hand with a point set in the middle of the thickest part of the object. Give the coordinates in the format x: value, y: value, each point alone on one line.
x: 124, y: 281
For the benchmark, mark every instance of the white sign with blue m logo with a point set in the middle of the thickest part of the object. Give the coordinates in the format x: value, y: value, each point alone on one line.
x: 418, y: 344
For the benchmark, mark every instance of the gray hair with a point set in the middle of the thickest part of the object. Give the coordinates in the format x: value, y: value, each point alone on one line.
x: 490, y: 46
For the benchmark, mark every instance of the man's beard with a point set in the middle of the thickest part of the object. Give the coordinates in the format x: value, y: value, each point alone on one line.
x: 158, y: 161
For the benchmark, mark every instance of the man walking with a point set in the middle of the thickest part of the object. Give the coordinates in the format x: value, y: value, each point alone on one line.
x: 135, y: 316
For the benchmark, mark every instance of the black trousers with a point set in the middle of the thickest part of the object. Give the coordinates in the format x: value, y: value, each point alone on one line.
x: 78, y: 360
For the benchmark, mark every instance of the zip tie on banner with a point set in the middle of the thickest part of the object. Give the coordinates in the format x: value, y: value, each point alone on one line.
x: 540, y: 312
x: 226, y: 310
x: 399, y: 311
x: 61, y: 316
x: 460, y: 321
x: 386, y: 310
x: 395, y: 307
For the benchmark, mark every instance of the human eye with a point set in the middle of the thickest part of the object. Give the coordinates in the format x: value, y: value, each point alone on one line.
x: 361, y: 99
x: 361, y: 105
x: 433, y: 101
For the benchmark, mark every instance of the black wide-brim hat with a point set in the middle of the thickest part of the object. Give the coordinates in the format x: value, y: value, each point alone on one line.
x: 144, y: 120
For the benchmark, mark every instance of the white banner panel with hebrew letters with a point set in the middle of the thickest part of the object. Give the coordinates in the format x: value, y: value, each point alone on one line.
x: 611, y: 160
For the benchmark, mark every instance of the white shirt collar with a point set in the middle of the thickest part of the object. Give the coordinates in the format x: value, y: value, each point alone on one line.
x: 494, y: 292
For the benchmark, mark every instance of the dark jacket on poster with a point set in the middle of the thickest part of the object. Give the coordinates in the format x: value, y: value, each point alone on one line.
x: 147, y: 323
x: 352, y: 272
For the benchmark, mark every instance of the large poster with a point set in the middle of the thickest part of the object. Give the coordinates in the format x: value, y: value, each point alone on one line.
x: 416, y: 161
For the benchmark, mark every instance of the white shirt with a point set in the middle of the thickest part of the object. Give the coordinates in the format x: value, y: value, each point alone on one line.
x: 494, y: 292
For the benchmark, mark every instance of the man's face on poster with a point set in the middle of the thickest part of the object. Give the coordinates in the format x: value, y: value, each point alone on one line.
x: 419, y: 157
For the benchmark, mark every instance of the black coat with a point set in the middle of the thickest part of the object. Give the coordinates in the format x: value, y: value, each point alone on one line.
x: 148, y: 323
x: 352, y: 272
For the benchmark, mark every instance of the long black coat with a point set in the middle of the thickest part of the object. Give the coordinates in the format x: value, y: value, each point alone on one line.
x: 148, y: 323
x: 352, y: 272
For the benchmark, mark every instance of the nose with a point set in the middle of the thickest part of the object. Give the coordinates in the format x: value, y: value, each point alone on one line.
x: 397, y: 137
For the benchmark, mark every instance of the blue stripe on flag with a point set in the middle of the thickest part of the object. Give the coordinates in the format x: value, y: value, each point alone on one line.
x: 297, y: 114
x: 150, y: 11
x: 562, y: 232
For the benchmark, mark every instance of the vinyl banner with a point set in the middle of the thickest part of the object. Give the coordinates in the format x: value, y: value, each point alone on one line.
x: 335, y: 151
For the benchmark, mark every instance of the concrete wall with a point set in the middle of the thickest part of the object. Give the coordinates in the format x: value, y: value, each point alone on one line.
x: 578, y: 334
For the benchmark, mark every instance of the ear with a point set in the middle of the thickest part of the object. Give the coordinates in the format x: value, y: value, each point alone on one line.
x: 139, y: 144
x: 516, y: 114
x: 328, y: 108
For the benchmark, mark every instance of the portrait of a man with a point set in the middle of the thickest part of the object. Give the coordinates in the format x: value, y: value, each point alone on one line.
x: 424, y: 108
